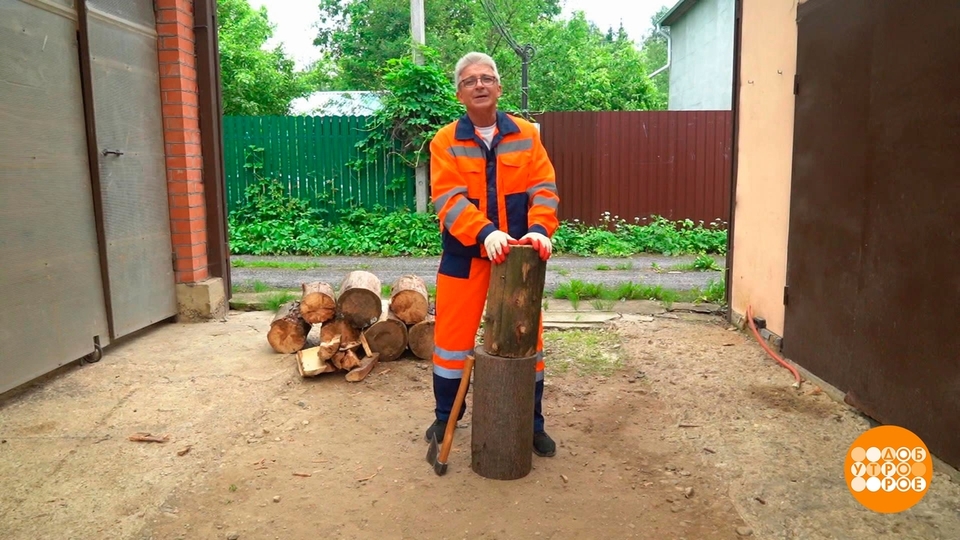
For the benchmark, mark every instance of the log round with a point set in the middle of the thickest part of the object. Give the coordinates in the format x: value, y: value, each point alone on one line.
x: 288, y: 331
x: 409, y: 299
x: 514, y: 303
x: 388, y: 336
x: 502, y: 423
x: 359, y: 301
x: 420, y: 339
x: 339, y: 327
x: 317, y: 304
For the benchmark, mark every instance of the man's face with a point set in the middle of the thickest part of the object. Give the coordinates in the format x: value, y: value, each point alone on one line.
x: 479, y: 88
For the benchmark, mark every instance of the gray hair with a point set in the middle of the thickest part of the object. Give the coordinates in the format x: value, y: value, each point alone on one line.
x: 474, y: 58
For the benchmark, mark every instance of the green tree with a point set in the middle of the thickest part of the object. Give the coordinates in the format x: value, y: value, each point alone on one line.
x: 257, y: 81
x: 653, y: 50
x: 575, y: 66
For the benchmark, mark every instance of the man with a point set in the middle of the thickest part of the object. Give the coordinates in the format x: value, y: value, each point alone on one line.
x: 492, y: 185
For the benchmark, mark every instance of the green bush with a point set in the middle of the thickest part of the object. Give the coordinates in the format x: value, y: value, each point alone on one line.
x: 269, y: 222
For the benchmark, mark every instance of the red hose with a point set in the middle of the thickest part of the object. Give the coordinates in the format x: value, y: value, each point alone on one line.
x: 775, y: 356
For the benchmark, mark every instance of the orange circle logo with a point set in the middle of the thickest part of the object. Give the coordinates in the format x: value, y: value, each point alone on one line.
x: 888, y: 469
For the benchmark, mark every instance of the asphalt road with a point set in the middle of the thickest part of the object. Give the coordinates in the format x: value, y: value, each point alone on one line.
x: 639, y: 269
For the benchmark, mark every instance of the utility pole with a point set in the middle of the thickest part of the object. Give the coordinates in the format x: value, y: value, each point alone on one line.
x: 418, y: 33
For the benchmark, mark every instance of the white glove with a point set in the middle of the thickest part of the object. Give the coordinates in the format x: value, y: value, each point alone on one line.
x: 497, y: 246
x: 540, y: 242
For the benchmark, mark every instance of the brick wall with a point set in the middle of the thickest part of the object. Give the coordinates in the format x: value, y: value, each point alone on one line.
x: 181, y: 134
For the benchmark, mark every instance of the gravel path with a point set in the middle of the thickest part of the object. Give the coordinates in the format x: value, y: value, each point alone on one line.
x: 560, y: 269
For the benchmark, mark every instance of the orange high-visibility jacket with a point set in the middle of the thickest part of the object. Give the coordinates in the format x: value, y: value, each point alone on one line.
x: 475, y: 190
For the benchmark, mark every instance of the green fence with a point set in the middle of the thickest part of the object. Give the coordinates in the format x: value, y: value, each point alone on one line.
x: 309, y: 155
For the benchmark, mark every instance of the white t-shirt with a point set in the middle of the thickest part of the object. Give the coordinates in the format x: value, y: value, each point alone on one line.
x: 486, y: 133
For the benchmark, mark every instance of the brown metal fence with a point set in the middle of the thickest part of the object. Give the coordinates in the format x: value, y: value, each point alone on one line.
x: 634, y: 164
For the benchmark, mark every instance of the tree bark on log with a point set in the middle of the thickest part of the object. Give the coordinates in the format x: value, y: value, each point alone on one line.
x: 288, y: 331
x: 388, y: 337
x: 360, y: 372
x: 420, y: 338
x: 318, y: 303
x: 409, y: 299
x: 359, y: 301
x: 502, y: 424
x: 512, y: 321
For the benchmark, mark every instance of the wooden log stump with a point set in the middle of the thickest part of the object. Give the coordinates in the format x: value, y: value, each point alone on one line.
x: 288, y: 331
x: 317, y: 303
x: 512, y: 320
x: 409, y: 299
x: 359, y: 301
x: 388, y: 337
x: 420, y: 338
x: 502, y: 423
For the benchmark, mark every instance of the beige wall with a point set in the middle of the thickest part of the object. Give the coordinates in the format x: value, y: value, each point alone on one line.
x: 768, y: 63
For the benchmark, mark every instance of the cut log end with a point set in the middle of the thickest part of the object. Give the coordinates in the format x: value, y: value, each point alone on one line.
x: 359, y: 301
x: 388, y: 338
x: 420, y: 338
x: 288, y: 331
x: 409, y: 300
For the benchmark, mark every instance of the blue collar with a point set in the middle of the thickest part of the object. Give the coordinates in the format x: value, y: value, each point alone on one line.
x: 466, y: 129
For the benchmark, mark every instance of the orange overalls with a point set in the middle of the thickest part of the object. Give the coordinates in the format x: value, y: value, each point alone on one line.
x: 511, y: 187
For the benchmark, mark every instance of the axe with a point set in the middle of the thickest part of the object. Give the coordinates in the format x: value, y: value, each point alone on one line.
x: 439, y: 459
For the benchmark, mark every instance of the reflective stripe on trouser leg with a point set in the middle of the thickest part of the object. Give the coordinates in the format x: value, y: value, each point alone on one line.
x: 459, y: 308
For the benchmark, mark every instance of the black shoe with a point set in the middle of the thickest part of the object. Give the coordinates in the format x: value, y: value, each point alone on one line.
x: 543, y: 445
x: 438, y: 428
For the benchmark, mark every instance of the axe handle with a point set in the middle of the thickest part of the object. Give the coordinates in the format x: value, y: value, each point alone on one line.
x: 455, y: 413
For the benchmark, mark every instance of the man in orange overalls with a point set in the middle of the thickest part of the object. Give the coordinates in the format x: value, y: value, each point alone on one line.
x: 492, y: 185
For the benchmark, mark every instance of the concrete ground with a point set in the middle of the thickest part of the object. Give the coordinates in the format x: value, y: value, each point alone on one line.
x: 669, y: 425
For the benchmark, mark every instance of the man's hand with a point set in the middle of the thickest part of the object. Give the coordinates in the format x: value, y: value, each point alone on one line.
x: 497, y: 245
x: 540, y: 242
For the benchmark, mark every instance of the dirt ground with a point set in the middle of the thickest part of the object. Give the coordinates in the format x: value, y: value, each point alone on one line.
x: 673, y: 427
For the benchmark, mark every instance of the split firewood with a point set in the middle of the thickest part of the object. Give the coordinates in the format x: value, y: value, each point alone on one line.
x: 146, y: 437
x: 313, y: 361
x: 388, y: 336
x: 421, y: 338
x: 337, y: 359
x: 366, y: 345
x: 360, y: 372
x: 350, y: 360
x: 351, y: 346
x: 359, y: 301
x: 339, y: 327
x: 409, y: 300
x: 314, y: 336
x: 318, y: 304
x: 288, y: 330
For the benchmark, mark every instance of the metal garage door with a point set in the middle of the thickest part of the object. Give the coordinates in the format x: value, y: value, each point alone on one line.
x: 50, y: 279
x: 129, y: 132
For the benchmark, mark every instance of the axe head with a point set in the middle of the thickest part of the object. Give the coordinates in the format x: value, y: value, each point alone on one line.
x: 433, y: 457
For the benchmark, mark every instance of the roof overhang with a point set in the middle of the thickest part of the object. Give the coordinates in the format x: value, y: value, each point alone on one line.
x: 677, y: 12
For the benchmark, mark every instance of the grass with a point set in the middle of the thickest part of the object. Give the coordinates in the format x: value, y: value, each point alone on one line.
x: 256, y: 287
x: 277, y: 299
x: 702, y: 263
x: 621, y: 267
x: 576, y: 290
x: 239, y: 263
x: 584, y: 352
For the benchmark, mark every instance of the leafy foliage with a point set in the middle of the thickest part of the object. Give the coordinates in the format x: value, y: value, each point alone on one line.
x: 420, y: 101
x: 269, y: 222
x: 615, y: 237
x: 653, y: 51
x: 576, y: 65
x: 257, y: 81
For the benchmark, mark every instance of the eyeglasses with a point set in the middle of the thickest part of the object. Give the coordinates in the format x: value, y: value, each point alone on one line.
x: 487, y: 80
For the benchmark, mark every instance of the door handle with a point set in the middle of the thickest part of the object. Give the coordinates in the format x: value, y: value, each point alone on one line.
x: 107, y: 152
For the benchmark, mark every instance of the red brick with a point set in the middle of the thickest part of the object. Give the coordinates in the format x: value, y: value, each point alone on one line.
x: 182, y: 214
x: 191, y: 252
x: 196, y: 200
x: 180, y: 123
x: 180, y: 5
x: 173, y: 15
x: 174, y: 97
x: 178, y: 70
x: 184, y: 176
x: 183, y: 149
x: 189, y: 238
x: 188, y: 225
x: 179, y: 201
x: 193, y: 276
x: 168, y: 29
x: 181, y: 136
x: 169, y: 43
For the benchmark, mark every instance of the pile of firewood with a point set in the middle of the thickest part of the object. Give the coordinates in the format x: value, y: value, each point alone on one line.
x: 354, y: 329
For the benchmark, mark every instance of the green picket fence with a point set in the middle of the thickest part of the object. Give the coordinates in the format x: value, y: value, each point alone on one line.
x: 309, y: 156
